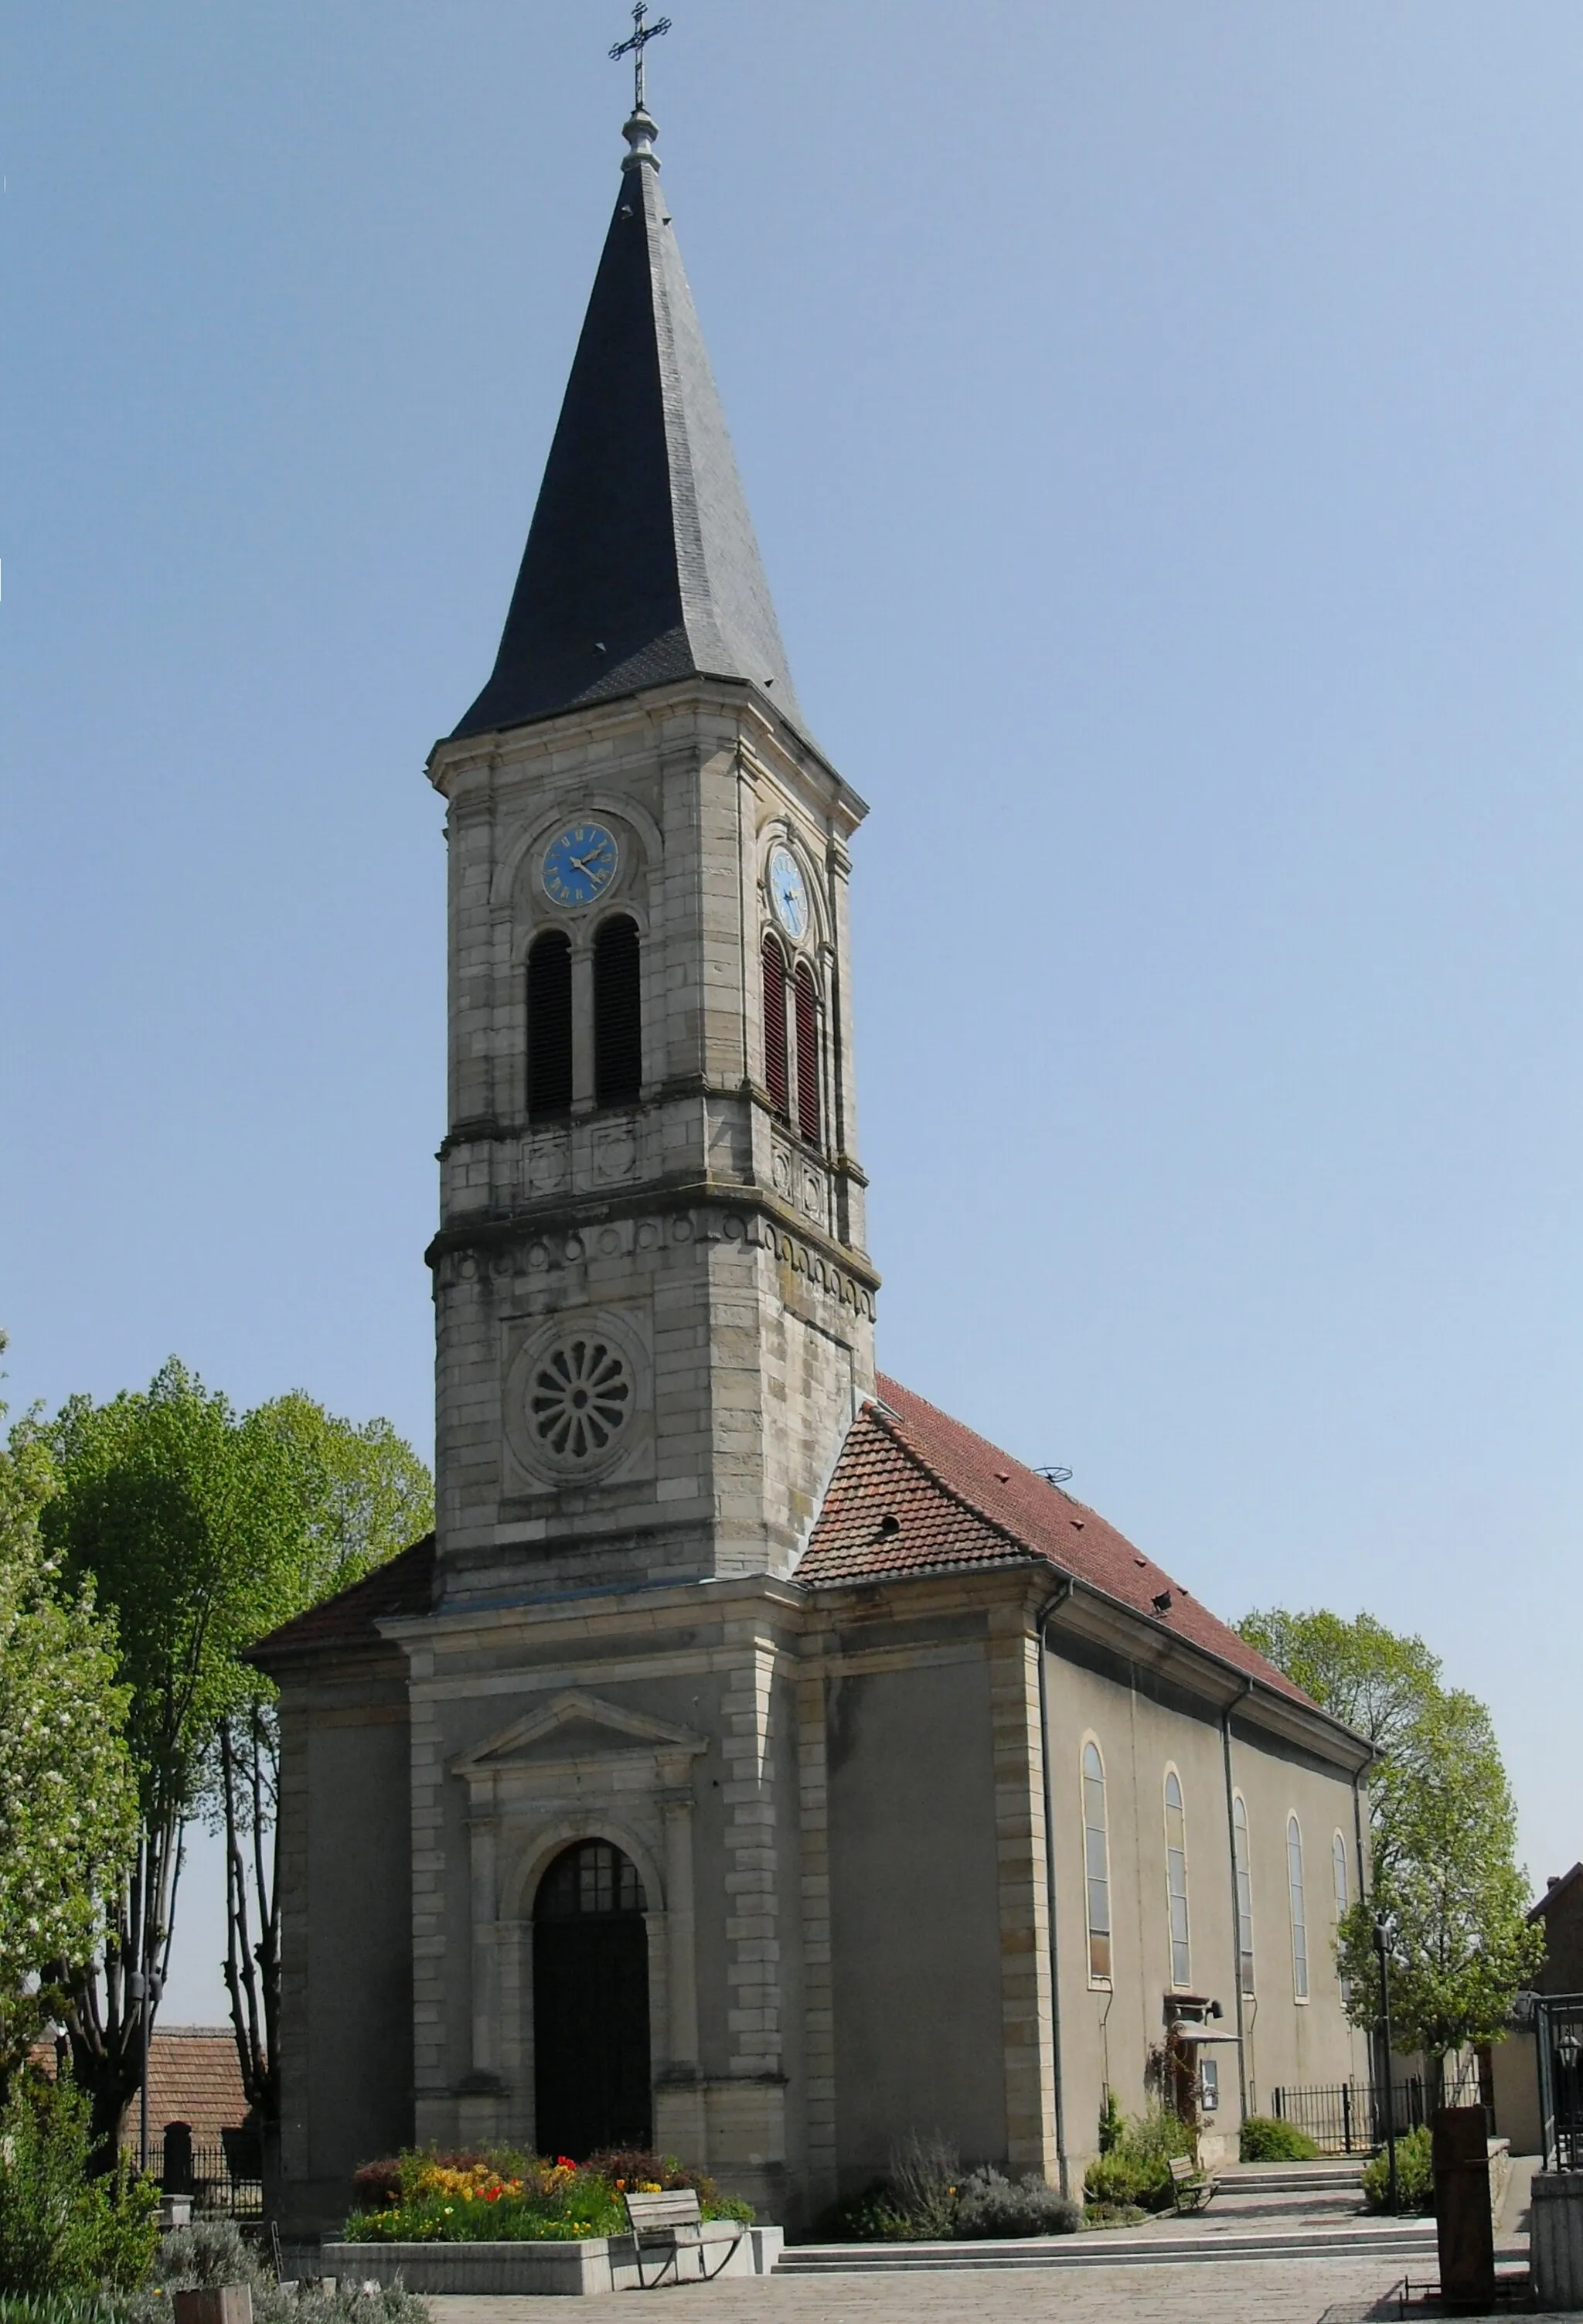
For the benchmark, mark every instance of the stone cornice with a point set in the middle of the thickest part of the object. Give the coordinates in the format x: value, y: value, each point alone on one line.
x: 801, y: 1242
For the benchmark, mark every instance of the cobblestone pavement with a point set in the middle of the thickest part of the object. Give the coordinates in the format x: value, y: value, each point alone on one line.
x: 1198, y: 2291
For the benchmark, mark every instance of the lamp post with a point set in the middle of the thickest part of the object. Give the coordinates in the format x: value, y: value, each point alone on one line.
x: 1385, y: 1929
x: 1569, y: 2050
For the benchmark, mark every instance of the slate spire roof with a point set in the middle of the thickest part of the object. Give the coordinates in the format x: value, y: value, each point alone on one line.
x: 642, y: 565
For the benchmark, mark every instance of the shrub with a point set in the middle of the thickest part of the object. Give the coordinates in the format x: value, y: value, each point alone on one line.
x: 63, y: 2228
x: 1266, y: 2139
x: 54, y: 2308
x: 1136, y: 2168
x: 929, y: 2198
x: 924, y: 2177
x: 870, y: 2216
x: 1415, y: 2174
x: 214, y: 2252
x: 988, y: 2204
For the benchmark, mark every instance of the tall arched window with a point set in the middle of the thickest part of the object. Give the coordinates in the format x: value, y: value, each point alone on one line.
x: 1176, y: 1880
x: 618, y: 1015
x: 807, y: 1017
x: 1239, y: 1860
x: 1299, y: 1912
x: 776, y: 1078
x: 549, y: 1024
x: 1338, y: 1874
x: 1097, y: 1863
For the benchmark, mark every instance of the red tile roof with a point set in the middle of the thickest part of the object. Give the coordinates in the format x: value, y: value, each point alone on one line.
x: 194, y: 2078
x: 404, y: 1586
x: 914, y: 1491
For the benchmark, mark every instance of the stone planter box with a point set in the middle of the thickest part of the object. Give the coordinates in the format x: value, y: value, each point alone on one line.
x: 1555, y: 2236
x: 562, y: 2270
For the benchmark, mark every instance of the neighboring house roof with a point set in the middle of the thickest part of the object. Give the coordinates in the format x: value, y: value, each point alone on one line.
x: 194, y: 2078
x: 1556, y: 1892
x: 351, y: 1618
x: 913, y: 1492
x: 642, y: 565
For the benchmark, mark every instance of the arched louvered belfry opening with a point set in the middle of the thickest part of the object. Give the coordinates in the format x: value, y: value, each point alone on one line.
x: 591, y: 2067
x: 618, y: 1014
x: 549, y: 1026
x: 806, y: 999
x: 777, y: 1063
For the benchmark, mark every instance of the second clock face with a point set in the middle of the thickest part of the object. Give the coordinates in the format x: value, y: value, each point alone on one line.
x: 580, y: 864
x: 788, y: 893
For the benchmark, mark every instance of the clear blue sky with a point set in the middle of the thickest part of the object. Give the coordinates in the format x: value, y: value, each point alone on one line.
x: 1161, y: 425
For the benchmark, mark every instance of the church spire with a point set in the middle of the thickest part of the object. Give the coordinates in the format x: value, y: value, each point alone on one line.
x: 642, y: 565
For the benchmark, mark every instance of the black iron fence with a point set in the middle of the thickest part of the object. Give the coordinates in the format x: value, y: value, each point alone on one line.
x: 1349, y: 2117
x: 1557, y: 2019
x: 225, y: 2182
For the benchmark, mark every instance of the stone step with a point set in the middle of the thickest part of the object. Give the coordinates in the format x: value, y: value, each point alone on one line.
x: 1116, y: 2247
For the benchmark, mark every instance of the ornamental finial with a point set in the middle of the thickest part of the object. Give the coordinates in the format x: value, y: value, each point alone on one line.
x: 634, y: 46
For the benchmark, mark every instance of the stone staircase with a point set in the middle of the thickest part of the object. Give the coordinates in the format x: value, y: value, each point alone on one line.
x: 1263, y: 2211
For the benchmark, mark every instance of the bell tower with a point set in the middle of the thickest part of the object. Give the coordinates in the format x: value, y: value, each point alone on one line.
x: 655, y: 1307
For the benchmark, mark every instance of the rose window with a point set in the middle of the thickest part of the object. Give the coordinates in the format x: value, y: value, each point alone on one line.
x: 580, y: 1398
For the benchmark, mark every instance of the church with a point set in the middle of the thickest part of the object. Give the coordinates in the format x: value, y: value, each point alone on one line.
x: 755, y: 1763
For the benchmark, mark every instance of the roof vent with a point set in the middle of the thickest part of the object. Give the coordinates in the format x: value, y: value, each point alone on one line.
x: 1162, y: 1603
x: 889, y: 1524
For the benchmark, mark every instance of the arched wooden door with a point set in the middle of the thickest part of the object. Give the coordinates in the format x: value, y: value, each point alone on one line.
x: 591, y: 2004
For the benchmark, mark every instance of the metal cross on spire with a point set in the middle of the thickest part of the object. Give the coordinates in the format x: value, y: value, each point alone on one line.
x: 641, y: 35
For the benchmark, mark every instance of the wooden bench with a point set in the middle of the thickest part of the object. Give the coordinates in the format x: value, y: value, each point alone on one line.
x: 1190, y: 2186
x: 673, y: 2223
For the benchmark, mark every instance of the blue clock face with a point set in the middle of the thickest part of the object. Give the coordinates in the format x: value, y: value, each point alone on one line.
x: 580, y: 864
x: 787, y: 894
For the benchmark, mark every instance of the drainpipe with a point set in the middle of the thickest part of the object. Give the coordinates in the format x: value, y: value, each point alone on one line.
x: 1236, y: 1900
x: 1062, y: 1592
x: 1364, y: 1886
x: 1363, y: 1879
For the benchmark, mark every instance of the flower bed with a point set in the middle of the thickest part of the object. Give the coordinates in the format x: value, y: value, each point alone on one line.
x: 501, y: 2196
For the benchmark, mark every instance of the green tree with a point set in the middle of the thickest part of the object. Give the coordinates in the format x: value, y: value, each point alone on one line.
x: 174, y: 1511
x: 1446, y: 1876
x: 202, y: 1530
x: 1375, y: 1680
x: 67, y: 1796
x: 1442, y: 1827
x: 361, y: 1495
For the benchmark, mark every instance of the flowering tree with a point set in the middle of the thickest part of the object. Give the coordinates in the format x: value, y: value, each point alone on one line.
x: 202, y: 1529
x: 171, y: 1510
x: 68, y: 1797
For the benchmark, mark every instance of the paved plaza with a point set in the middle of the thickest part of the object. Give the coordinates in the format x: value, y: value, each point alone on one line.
x: 1249, y: 2292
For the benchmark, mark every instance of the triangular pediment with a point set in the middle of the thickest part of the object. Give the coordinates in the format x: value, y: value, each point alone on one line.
x: 574, y: 1726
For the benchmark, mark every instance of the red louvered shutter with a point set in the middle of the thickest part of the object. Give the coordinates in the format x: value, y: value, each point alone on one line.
x: 776, y: 1080
x: 807, y: 1001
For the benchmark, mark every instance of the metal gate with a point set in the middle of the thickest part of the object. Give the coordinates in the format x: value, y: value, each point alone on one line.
x: 1558, y: 2035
